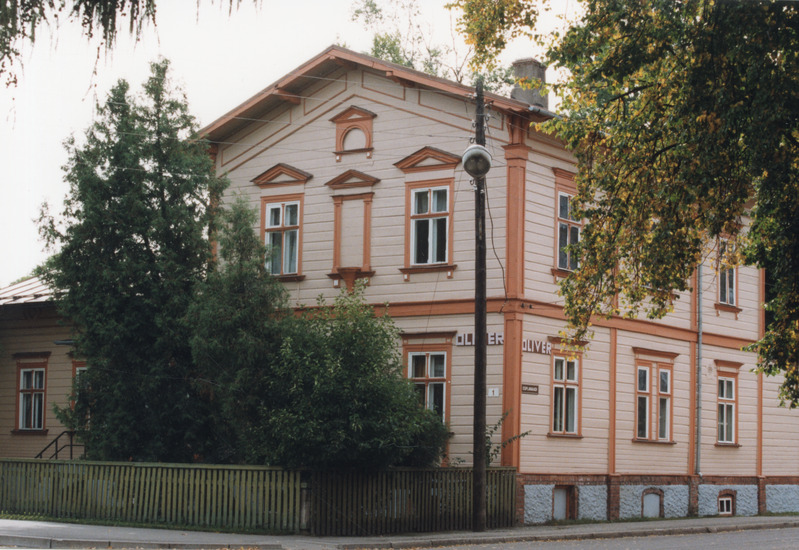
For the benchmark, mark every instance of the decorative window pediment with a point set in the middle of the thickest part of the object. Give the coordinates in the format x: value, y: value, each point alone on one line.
x: 352, y: 178
x: 282, y: 174
x: 353, y: 131
x: 427, y: 159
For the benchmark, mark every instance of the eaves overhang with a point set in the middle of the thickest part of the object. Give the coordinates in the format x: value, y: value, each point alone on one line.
x: 290, y: 89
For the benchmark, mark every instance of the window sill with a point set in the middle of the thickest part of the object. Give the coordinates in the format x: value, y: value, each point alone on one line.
x: 564, y: 436
x: 728, y: 308
x: 653, y: 441
x: 733, y: 445
x: 367, y: 150
x: 289, y: 278
x: 29, y: 432
x: 558, y: 273
x: 433, y: 268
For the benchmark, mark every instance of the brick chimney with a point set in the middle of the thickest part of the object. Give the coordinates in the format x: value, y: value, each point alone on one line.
x: 530, y: 69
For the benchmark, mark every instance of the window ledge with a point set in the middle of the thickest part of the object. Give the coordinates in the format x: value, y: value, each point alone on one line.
x: 564, y: 436
x: 29, y: 432
x: 733, y: 445
x: 653, y: 441
x: 289, y: 278
x: 558, y: 273
x: 728, y: 308
x: 367, y: 150
x: 433, y: 268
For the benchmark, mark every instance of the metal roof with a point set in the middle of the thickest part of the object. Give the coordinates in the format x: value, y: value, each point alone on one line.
x: 29, y: 291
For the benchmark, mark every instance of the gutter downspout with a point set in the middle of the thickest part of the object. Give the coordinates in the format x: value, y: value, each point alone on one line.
x: 698, y: 449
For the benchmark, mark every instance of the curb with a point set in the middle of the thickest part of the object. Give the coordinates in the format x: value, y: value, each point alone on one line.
x: 549, y: 537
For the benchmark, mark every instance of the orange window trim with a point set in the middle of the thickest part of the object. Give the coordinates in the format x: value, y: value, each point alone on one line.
x: 410, y: 187
x: 280, y: 199
x: 723, y: 370
x: 578, y: 357
x: 446, y: 348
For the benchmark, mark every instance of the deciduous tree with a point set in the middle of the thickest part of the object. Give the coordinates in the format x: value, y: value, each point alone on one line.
x: 684, y: 117
x: 20, y: 20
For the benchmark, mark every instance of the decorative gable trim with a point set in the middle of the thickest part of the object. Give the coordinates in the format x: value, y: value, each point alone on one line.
x: 427, y: 159
x: 352, y: 178
x: 281, y: 174
x: 352, y: 114
x: 353, y: 118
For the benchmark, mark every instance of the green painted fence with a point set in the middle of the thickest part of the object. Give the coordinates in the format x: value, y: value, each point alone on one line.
x: 255, y: 498
x: 407, y: 500
x: 177, y: 494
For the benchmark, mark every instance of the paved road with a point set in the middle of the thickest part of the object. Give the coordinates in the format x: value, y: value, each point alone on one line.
x: 765, y: 539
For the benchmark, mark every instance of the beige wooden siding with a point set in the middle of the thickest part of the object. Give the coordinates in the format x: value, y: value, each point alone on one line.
x: 635, y: 457
x: 780, y: 433
x: 35, y: 334
x: 722, y: 459
x: 544, y: 453
x: 406, y: 120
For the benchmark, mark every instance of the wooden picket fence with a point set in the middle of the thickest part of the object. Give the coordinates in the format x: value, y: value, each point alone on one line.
x: 235, y: 497
x: 407, y: 500
x: 254, y: 498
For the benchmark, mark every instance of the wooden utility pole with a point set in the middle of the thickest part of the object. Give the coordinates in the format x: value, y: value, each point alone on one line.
x: 480, y: 333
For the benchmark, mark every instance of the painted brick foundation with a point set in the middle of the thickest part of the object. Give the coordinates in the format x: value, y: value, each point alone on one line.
x: 613, y: 497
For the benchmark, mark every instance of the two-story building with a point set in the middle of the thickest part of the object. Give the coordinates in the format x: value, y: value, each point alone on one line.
x: 354, y: 166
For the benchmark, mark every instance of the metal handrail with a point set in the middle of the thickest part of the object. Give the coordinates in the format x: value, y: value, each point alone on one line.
x: 54, y: 442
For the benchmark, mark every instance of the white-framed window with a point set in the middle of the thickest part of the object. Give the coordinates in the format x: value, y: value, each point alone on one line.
x: 429, y: 225
x: 282, y: 237
x: 565, y: 395
x: 726, y: 409
x: 653, y: 401
x: 568, y: 232
x: 32, y: 381
x: 725, y: 505
x: 642, y: 404
x: 664, y: 404
x: 727, y: 282
x: 428, y: 371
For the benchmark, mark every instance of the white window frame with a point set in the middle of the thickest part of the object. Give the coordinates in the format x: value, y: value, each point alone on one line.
x: 642, y: 401
x: 430, y: 217
x: 429, y: 381
x: 653, y: 401
x: 564, y: 259
x: 32, y: 398
x: 565, y: 384
x: 727, y: 278
x: 726, y: 409
x: 283, y: 229
x: 725, y: 505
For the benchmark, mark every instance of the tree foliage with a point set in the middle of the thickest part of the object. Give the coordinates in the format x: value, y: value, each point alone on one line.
x: 20, y: 20
x: 401, y: 37
x: 684, y: 117
x: 321, y: 390
x: 340, y: 400
x: 131, y: 246
x: 238, y: 319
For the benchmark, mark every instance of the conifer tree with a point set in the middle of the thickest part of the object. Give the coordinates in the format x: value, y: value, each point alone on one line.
x: 131, y: 245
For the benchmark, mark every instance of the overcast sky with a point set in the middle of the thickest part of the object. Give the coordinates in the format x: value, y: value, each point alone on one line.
x: 219, y: 60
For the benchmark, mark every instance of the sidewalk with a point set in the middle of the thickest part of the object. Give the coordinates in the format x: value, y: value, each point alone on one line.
x: 40, y: 534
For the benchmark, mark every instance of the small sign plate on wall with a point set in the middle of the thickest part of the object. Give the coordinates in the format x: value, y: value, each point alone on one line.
x: 531, y: 389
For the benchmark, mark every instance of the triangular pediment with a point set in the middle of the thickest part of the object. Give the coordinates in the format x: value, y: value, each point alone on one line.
x: 427, y: 159
x: 282, y: 174
x: 352, y: 178
x: 353, y: 113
